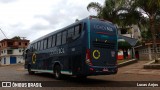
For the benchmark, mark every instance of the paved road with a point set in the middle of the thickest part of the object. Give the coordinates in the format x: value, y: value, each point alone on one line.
x: 129, y: 73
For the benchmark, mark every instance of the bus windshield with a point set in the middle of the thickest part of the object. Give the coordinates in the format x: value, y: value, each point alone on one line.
x: 103, y: 32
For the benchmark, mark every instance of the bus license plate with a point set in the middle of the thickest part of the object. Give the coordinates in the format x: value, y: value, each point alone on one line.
x: 105, y: 69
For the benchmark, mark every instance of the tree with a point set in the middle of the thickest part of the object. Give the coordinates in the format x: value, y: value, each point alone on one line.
x: 146, y: 13
x: 108, y: 11
x: 127, y: 12
x: 149, y: 8
x: 116, y: 11
x: 16, y: 37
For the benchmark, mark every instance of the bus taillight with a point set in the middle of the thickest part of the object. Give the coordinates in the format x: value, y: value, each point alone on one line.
x: 88, y: 57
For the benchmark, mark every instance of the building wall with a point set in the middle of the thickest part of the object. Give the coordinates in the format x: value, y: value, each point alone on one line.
x: 143, y: 56
x: 7, y: 61
x: 121, y: 54
x: 18, y: 51
x: 17, y: 47
x: 133, y: 32
x: 19, y: 59
x: 147, y: 52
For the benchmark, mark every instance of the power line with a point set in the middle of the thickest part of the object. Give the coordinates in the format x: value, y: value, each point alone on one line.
x: 3, y: 33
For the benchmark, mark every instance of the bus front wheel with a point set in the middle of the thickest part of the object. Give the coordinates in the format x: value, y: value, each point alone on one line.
x: 29, y: 70
x: 57, y: 72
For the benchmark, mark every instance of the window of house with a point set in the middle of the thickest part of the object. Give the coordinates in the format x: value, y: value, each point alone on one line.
x: 50, y: 42
x: 19, y: 50
x: 10, y: 44
x: 123, y: 31
x: 59, y: 37
x: 19, y: 43
x: 9, y: 51
x: 64, y: 35
x: 26, y: 44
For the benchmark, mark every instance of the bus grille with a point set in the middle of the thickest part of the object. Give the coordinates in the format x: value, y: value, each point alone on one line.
x: 103, y: 45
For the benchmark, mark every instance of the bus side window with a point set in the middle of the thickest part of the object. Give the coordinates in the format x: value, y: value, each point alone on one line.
x: 78, y: 30
x: 50, y: 42
x: 35, y: 46
x: 84, y: 26
x: 59, y: 38
x: 39, y: 43
x: 41, y: 46
x: 53, y: 41
x: 45, y: 44
x: 70, y: 32
x: 64, y: 35
x: 31, y: 48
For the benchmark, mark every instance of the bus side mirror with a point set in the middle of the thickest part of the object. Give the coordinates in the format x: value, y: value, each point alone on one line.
x: 25, y: 54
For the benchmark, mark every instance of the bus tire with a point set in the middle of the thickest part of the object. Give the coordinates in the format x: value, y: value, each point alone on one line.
x: 57, y: 72
x: 30, y: 72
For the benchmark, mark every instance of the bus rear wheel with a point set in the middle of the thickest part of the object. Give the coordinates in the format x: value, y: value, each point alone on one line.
x: 30, y: 71
x: 57, y: 72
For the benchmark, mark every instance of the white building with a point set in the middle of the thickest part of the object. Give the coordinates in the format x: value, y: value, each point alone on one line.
x: 11, y: 51
x: 132, y: 32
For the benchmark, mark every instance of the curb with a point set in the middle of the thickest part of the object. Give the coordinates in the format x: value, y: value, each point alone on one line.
x: 12, y: 64
x: 150, y: 65
x: 127, y: 62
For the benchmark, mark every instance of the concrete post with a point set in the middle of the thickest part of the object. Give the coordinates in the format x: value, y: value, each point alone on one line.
x: 149, y: 52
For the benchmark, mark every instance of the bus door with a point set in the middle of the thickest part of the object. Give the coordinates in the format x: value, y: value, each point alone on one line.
x: 74, y: 47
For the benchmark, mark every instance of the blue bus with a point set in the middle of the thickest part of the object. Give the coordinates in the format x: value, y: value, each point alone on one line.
x: 84, y: 48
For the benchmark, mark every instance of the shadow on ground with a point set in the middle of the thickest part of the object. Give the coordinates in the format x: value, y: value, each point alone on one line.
x: 69, y: 81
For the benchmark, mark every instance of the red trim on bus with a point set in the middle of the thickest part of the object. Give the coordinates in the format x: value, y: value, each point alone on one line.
x: 104, y: 33
x: 88, y: 57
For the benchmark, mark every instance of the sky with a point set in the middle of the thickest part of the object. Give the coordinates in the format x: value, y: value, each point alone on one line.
x: 35, y: 18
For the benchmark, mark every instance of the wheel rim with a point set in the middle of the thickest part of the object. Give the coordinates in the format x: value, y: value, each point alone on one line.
x: 57, y: 71
x: 57, y: 74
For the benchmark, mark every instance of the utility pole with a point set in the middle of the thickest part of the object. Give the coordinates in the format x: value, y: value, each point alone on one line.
x: 23, y: 38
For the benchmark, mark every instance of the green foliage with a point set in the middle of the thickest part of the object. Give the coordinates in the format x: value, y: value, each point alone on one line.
x: 96, y: 6
x: 124, y: 45
x: 146, y: 35
x: 144, y: 13
x: 108, y: 11
x: 16, y: 37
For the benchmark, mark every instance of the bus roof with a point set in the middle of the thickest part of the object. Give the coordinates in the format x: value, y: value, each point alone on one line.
x: 75, y: 23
